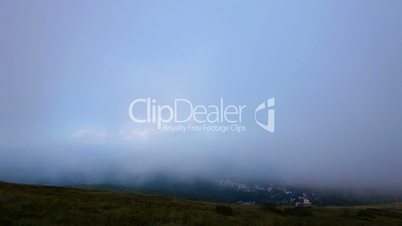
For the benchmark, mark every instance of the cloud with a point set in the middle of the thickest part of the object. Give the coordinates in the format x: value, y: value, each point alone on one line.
x: 137, y: 134
x: 90, y: 134
x: 123, y: 135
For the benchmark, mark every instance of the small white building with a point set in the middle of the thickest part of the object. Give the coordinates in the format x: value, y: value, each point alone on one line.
x: 304, y: 202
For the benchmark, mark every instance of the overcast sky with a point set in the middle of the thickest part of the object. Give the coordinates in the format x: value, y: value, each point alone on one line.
x: 69, y: 70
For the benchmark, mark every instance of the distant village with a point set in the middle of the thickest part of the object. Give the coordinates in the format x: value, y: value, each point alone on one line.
x: 269, y: 193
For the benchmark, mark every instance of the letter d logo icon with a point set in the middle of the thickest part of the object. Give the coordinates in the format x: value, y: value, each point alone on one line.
x: 269, y: 104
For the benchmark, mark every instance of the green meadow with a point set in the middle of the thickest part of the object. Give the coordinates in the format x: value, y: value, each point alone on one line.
x: 45, y: 205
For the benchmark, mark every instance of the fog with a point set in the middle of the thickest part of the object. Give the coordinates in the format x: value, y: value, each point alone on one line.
x: 69, y: 71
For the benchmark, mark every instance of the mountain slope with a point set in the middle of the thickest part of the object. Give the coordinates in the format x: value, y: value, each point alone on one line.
x: 44, y: 205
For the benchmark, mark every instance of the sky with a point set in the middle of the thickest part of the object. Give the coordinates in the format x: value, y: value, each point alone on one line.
x: 70, y: 69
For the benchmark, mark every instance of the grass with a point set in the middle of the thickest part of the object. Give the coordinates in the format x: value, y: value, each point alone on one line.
x: 44, y: 205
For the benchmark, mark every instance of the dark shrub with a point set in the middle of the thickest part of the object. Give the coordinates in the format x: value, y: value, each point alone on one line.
x: 365, y: 213
x: 346, y: 213
x: 224, y: 210
x: 299, y: 211
x: 271, y: 208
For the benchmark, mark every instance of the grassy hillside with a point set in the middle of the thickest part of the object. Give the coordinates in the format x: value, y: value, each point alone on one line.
x: 42, y: 205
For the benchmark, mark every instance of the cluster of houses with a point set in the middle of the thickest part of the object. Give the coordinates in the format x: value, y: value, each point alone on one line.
x: 245, y: 187
x: 299, y: 200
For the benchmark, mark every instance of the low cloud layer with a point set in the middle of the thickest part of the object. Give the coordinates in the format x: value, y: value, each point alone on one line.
x: 68, y: 73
